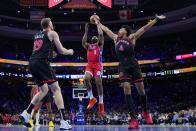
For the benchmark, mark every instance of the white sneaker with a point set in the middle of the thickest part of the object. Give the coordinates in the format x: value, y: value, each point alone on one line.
x: 64, y: 125
x: 70, y: 126
x: 25, y: 118
x: 37, y: 124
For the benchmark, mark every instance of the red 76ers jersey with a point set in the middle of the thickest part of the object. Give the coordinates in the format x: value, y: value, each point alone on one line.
x: 94, y: 53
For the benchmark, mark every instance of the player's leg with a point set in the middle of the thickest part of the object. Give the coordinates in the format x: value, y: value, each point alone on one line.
x: 56, y: 90
x: 36, y: 110
x: 36, y: 113
x: 87, y: 83
x: 130, y: 106
x: 98, y: 81
x: 129, y: 102
x: 26, y: 115
x: 125, y: 79
x: 38, y: 97
x: 37, y: 118
x: 142, y: 94
x: 48, y: 106
x: 143, y: 100
x: 138, y: 80
x: 32, y: 118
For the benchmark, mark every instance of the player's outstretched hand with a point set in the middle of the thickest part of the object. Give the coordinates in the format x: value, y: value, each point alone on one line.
x: 71, y: 51
x: 160, y: 16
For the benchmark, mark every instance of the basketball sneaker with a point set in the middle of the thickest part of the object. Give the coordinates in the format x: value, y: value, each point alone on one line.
x: 101, y: 109
x: 92, y: 103
x: 134, y: 124
x: 70, y: 126
x: 31, y: 122
x: 147, y: 116
x: 51, y: 124
x: 25, y: 118
x: 64, y: 125
x: 37, y: 124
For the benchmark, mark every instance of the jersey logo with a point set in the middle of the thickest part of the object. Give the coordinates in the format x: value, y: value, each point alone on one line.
x: 92, y: 47
x: 121, y: 48
x: 37, y: 45
x: 121, y: 74
x: 122, y: 41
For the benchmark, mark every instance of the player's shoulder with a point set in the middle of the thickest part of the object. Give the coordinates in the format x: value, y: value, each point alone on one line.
x: 52, y: 35
x: 52, y: 32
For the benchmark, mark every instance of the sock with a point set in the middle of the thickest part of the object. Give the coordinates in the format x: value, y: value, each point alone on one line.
x: 37, y: 117
x: 32, y: 114
x: 62, y: 114
x: 50, y: 116
x: 130, y: 106
x: 143, y: 100
x: 90, y: 94
x: 30, y: 108
x: 100, y: 99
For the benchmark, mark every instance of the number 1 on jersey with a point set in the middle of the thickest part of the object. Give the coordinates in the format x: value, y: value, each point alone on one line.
x: 95, y: 52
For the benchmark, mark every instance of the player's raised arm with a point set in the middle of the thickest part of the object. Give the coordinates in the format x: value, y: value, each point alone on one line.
x: 84, y: 39
x: 52, y: 35
x: 107, y: 30
x: 146, y: 27
x: 100, y: 33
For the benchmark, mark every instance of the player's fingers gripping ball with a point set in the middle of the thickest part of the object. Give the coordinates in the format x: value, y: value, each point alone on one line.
x: 94, y: 18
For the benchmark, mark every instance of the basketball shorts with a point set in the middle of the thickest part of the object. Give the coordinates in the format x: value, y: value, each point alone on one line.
x: 41, y: 71
x: 130, y: 72
x: 95, y: 69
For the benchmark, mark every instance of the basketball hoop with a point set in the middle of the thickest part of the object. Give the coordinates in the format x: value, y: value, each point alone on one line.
x: 80, y: 98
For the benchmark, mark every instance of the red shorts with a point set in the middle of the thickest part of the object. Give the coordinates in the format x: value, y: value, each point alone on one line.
x: 95, y: 69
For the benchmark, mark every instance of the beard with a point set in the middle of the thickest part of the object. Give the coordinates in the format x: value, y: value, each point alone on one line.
x: 94, y: 41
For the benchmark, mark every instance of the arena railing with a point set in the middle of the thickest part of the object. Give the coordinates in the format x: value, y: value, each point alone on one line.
x: 18, y: 62
x: 108, y: 76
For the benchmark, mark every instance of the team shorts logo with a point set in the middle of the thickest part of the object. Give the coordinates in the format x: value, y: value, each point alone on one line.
x: 121, y: 74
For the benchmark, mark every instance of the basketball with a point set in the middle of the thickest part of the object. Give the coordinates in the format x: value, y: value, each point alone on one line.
x: 93, y: 17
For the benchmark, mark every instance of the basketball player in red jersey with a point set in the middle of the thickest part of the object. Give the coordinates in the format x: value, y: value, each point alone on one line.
x: 43, y: 74
x: 129, y: 69
x: 47, y: 101
x: 94, y: 67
